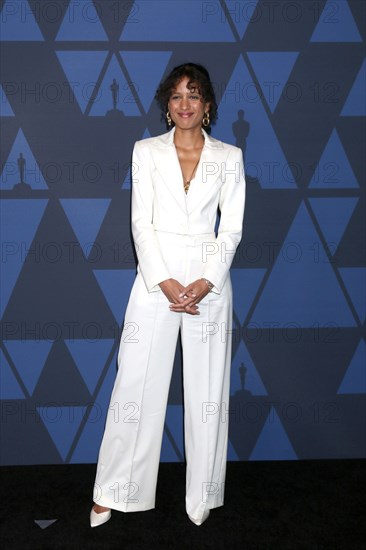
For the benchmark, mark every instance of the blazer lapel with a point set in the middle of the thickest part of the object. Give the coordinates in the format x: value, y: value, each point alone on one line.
x: 207, y: 173
x: 167, y: 164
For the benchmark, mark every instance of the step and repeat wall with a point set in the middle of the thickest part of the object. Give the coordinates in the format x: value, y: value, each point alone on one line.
x: 78, y: 80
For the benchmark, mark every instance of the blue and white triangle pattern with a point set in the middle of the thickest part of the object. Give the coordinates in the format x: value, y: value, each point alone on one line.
x: 86, y: 217
x: 273, y: 442
x: 334, y: 170
x: 17, y: 22
x: 62, y: 424
x: 5, y: 107
x: 87, y: 446
x: 19, y: 220
x: 108, y: 72
x: 273, y: 70
x: 206, y: 22
x: 245, y: 283
x: 9, y: 386
x: 90, y: 358
x: 355, y: 104
x: 146, y: 70
x: 116, y: 285
x: 82, y: 22
x: 336, y: 24
x: 302, y: 286
x: 244, y: 374
x: 354, y: 381
x: 115, y: 84
x: 241, y: 13
x: 29, y: 357
x: 82, y: 70
x: 244, y: 121
x: 21, y: 167
x: 333, y: 215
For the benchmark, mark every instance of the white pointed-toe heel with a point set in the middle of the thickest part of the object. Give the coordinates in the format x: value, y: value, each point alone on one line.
x: 99, y: 519
x: 206, y: 513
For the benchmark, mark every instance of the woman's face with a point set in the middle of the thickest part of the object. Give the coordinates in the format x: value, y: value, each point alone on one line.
x: 186, y: 106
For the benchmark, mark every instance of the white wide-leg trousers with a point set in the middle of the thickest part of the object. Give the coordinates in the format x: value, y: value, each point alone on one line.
x: 129, y: 455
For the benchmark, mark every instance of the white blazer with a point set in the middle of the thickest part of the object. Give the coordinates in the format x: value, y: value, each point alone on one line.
x: 159, y: 203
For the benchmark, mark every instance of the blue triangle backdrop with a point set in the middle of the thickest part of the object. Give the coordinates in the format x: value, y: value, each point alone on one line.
x: 81, y: 22
x: 21, y: 153
x: 302, y: 286
x: 82, y: 70
x: 354, y: 380
x: 336, y: 24
x: 356, y: 102
x: 162, y: 21
x: 18, y: 23
x: 243, y: 116
x: 273, y: 442
x: 77, y: 91
x: 5, y: 109
x: 273, y: 70
x: 29, y: 357
x: 334, y: 169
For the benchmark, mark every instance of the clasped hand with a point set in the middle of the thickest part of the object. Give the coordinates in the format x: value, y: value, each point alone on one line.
x: 184, y: 299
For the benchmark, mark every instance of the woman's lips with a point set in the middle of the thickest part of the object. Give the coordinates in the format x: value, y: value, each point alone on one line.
x: 185, y: 115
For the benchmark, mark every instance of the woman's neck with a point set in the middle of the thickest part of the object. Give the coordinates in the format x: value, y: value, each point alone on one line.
x: 189, y: 139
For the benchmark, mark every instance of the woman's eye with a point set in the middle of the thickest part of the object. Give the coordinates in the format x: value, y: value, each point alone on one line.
x: 192, y: 97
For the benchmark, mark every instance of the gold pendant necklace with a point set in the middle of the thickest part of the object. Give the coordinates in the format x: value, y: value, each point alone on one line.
x: 187, y: 183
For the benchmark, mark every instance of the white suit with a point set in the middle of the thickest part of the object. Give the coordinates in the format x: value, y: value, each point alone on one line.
x: 174, y: 238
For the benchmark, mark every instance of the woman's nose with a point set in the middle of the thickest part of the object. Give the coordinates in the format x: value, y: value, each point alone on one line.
x: 184, y: 103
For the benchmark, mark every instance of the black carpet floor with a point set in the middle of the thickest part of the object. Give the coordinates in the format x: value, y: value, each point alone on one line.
x: 310, y: 505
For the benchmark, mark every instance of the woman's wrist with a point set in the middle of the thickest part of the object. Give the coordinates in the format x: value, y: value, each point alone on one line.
x: 209, y: 284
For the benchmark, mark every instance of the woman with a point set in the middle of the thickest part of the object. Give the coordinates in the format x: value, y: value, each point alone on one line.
x: 182, y: 283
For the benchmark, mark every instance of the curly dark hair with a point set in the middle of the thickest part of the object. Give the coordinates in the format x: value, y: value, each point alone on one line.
x: 198, y: 79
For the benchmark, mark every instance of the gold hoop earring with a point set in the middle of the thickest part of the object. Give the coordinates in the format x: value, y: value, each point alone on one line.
x: 169, y: 120
x: 206, y: 119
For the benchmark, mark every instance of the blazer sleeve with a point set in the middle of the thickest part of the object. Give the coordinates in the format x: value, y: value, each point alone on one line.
x: 220, y: 255
x: 150, y: 260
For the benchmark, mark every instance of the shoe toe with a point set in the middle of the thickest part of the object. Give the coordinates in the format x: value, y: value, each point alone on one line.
x: 99, y: 519
x: 206, y: 513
